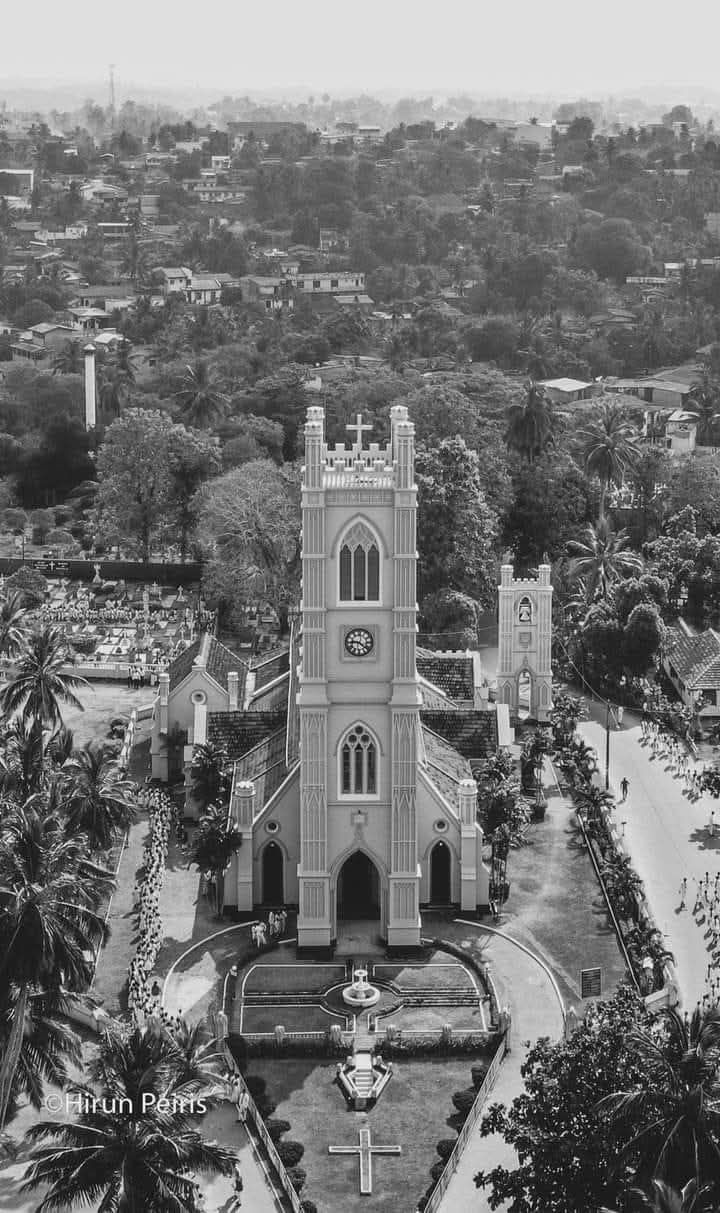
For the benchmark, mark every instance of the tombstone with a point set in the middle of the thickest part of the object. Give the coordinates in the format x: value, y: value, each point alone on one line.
x: 524, y: 640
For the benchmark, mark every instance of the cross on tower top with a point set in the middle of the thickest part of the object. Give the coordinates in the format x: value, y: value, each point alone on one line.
x: 358, y: 427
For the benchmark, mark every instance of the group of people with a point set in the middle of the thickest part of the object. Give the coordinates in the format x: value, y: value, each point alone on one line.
x: 706, y: 912
x: 668, y: 745
x: 142, y: 1001
x: 264, y: 933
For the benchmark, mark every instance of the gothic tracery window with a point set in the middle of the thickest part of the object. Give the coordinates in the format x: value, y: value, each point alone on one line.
x: 359, y: 763
x: 359, y: 566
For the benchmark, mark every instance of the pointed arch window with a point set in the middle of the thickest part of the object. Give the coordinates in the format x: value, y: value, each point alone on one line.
x: 358, y: 763
x: 359, y: 566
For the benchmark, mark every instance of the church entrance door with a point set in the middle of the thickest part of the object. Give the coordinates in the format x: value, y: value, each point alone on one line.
x: 358, y: 888
x: 272, y: 875
x: 440, y: 874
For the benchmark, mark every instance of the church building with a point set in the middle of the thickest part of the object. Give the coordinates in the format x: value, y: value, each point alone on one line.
x: 354, y: 793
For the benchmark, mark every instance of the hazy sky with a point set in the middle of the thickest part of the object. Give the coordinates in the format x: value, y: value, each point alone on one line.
x: 503, y: 46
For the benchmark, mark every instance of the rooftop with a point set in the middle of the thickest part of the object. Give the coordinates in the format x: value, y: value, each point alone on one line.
x: 695, y: 656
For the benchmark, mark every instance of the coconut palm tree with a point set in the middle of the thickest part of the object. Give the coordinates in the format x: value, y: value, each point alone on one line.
x: 23, y: 770
x: 97, y: 798
x: 193, y: 1054
x: 704, y: 402
x: 531, y: 425
x: 69, y: 359
x: 49, y: 927
x: 217, y: 839
x: 37, y: 683
x: 601, y: 558
x: 673, y: 1118
x: 609, y: 447
x: 210, y: 781
x: 200, y: 395
x: 13, y: 622
x: 128, y: 1161
x: 47, y: 1046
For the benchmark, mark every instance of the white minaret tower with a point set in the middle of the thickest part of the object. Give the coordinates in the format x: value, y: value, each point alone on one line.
x: 90, y: 387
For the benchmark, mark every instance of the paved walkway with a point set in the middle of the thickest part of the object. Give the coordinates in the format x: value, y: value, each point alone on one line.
x: 667, y: 837
x: 524, y: 986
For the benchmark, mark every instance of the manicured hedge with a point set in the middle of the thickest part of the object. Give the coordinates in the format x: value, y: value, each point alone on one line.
x: 290, y: 1153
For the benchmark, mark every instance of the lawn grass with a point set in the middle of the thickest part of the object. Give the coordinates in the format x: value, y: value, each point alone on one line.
x: 309, y: 1017
x: 432, y: 1019
x: 412, y: 1112
x: 444, y: 977
x: 293, y: 978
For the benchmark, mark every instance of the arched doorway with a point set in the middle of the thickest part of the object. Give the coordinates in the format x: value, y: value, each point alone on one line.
x: 440, y: 874
x: 358, y: 888
x: 273, y: 868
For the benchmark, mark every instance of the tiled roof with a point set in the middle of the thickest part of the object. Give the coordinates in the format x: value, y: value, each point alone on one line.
x: 265, y: 765
x: 221, y: 660
x: 472, y: 732
x: 696, y: 658
x: 451, y: 674
x: 271, y: 668
x: 238, y: 732
x: 445, y: 766
x: 183, y: 663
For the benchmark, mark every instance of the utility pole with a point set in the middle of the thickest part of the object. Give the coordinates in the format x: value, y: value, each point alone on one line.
x: 607, y: 745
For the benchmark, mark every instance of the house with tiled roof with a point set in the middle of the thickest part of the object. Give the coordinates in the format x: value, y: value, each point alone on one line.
x: 691, y: 660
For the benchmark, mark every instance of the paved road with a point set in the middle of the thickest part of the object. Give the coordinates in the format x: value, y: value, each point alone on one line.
x: 524, y: 986
x: 667, y: 837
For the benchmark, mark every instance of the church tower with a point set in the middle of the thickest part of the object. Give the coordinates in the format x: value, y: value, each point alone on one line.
x: 359, y: 697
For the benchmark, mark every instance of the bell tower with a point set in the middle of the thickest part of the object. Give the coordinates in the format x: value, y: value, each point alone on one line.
x: 359, y: 697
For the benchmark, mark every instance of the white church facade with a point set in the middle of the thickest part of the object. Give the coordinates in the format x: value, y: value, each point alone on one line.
x: 376, y: 815
x: 353, y: 784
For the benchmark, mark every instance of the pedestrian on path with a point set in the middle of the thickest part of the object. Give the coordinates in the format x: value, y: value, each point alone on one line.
x: 624, y: 786
x: 711, y: 824
x: 620, y: 714
x: 683, y: 892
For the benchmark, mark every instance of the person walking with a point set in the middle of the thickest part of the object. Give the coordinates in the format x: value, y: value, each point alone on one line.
x: 683, y: 892
x: 624, y: 787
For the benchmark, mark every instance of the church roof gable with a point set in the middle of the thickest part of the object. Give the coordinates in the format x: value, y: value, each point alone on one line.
x: 221, y: 660
x: 451, y: 673
x: 472, y: 732
x: 265, y: 766
x: 239, y: 732
x: 270, y: 668
x: 445, y: 766
x: 183, y: 663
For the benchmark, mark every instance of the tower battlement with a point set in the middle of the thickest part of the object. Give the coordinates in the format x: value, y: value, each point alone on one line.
x: 378, y: 465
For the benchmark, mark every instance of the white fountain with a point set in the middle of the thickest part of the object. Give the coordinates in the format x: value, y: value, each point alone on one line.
x: 360, y: 994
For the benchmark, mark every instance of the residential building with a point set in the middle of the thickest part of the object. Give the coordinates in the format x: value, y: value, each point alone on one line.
x: 565, y: 391
x: 691, y: 660
x: 681, y: 432
x: 175, y: 279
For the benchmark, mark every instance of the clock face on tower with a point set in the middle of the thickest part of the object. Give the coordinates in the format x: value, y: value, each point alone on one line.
x: 359, y: 642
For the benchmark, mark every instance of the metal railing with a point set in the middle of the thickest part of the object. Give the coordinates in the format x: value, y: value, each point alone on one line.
x: 488, y: 1083
x: 259, y: 1124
